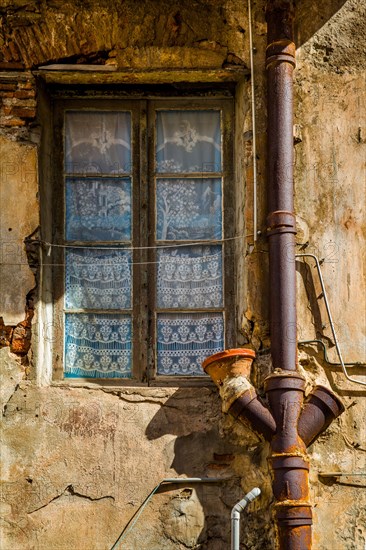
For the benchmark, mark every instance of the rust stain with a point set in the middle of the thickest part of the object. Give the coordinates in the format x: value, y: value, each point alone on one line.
x: 6, y: 332
x: 89, y: 421
x: 21, y: 336
x: 224, y: 457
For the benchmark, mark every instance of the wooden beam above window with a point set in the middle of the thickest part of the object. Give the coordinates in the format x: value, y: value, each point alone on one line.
x: 108, y: 74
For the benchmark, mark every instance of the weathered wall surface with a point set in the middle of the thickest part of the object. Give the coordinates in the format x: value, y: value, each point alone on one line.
x: 78, y: 461
x: 330, y: 190
x: 20, y: 218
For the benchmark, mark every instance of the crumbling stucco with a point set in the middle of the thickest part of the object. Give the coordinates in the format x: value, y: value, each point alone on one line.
x: 79, y: 460
x: 19, y: 218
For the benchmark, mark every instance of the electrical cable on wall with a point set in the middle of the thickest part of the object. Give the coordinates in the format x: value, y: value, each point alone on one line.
x: 254, y: 148
x: 317, y: 263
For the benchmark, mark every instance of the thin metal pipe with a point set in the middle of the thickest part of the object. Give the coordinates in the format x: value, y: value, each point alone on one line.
x: 330, y: 317
x: 337, y: 474
x: 235, y: 516
x: 325, y: 354
x: 254, y: 142
x: 181, y: 480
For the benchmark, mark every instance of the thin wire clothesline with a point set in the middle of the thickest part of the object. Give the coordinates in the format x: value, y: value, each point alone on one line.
x: 49, y: 246
x: 156, y: 247
x: 94, y: 263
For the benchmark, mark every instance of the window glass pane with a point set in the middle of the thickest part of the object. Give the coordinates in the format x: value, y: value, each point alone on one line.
x: 97, y: 142
x: 98, y: 279
x: 98, y: 210
x: 185, y: 340
x: 190, y: 277
x: 188, y: 141
x: 98, y: 346
x: 189, y: 209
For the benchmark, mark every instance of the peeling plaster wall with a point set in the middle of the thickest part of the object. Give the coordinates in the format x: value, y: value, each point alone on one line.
x: 79, y: 460
x: 330, y: 191
x: 19, y: 218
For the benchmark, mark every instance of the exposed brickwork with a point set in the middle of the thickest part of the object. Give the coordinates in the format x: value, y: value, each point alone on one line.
x: 17, y: 99
x: 6, y: 332
x: 84, y: 456
x: 18, y: 338
x: 22, y: 334
x: 104, y: 27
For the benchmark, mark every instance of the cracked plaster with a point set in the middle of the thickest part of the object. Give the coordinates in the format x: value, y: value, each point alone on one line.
x: 78, y: 460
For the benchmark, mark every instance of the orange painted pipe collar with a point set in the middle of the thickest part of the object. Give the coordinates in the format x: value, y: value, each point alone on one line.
x: 235, y: 352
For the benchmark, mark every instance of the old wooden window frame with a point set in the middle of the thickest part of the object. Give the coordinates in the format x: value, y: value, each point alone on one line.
x: 144, y: 312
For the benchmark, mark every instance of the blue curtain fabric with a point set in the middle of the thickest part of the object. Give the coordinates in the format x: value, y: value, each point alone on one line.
x: 98, y: 214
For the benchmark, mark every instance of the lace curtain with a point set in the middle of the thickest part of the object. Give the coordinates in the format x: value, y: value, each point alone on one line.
x: 185, y: 340
x: 190, y: 277
x: 97, y: 279
x: 98, y: 210
x: 97, y: 142
x: 188, y: 141
x: 98, y: 283
x: 189, y: 209
x: 98, y: 346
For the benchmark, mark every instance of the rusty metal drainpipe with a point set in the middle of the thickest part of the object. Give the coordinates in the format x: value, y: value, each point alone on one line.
x: 290, y: 424
x: 287, y: 430
x: 280, y: 63
x: 285, y: 387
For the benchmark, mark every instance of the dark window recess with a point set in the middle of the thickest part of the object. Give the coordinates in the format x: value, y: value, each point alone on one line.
x: 142, y: 211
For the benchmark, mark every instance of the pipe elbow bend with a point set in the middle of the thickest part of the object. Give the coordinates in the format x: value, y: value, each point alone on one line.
x: 230, y: 371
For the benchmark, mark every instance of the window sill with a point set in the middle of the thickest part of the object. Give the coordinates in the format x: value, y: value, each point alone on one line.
x: 112, y: 385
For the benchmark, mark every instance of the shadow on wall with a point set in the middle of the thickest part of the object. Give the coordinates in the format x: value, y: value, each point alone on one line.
x: 311, y: 16
x: 323, y: 340
x: 198, y: 515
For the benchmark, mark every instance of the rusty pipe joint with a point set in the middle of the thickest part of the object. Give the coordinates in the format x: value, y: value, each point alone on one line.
x: 294, y: 521
x: 279, y: 51
x: 292, y: 509
x: 288, y: 461
x: 281, y: 221
x: 285, y: 391
x: 321, y: 407
x: 230, y: 370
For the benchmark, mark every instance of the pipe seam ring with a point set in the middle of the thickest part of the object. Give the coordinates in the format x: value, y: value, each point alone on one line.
x: 278, y: 230
x: 282, y: 45
x: 281, y: 221
x: 284, y: 381
x: 292, y: 504
x: 293, y: 512
x: 287, y: 454
x: 281, y: 217
x: 289, y: 462
x: 281, y: 58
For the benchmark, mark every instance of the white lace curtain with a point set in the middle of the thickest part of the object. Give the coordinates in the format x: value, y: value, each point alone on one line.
x: 98, y: 346
x: 97, y: 142
x: 98, y: 194
x: 188, y: 141
x: 188, y: 209
x: 185, y: 340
